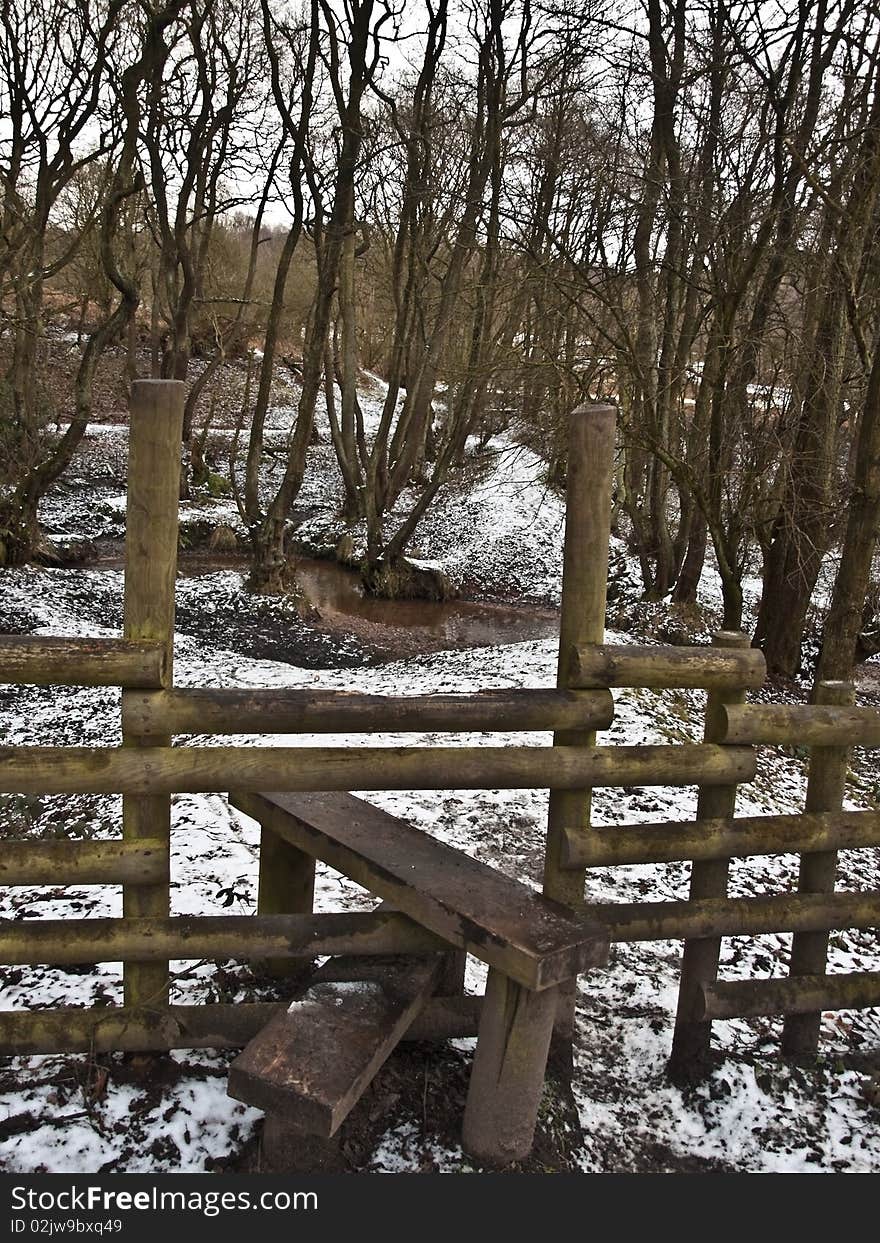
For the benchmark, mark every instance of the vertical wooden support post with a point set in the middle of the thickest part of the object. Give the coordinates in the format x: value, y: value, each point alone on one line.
x: 584, y: 584
x: 450, y: 982
x: 508, y: 1072
x: 818, y: 871
x: 690, y: 1045
x: 156, y: 427
x: 287, y: 887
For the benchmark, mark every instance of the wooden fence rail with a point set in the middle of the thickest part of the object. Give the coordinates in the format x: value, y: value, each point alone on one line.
x: 146, y: 771
x: 318, y: 712
x: 672, y: 841
x: 700, y: 668
x: 802, y: 725
x: 243, y: 937
x: 32, y: 660
x: 107, y: 1029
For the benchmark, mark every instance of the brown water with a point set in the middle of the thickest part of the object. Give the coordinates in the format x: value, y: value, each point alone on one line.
x: 338, y: 597
x: 336, y: 601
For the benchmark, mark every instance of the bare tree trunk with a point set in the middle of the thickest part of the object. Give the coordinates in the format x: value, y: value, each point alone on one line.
x: 851, y: 586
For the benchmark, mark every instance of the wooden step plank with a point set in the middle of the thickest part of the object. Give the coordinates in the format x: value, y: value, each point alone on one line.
x: 535, y: 941
x: 313, y: 1061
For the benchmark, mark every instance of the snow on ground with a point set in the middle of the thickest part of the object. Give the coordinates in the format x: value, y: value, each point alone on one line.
x: 753, y: 1113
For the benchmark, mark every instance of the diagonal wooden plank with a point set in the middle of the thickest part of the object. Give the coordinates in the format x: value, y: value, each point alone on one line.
x: 535, y: 941
x: 313, y: 1062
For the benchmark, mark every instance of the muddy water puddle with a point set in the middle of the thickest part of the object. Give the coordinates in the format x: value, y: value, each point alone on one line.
x: 410, y: 626
x: 334, y: 602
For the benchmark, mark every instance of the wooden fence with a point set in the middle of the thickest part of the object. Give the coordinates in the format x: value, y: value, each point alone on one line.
x: 148, y: 770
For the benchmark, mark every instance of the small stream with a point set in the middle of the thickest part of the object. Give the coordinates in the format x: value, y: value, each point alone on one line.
x: 336, y: 607
x: 407, y: 626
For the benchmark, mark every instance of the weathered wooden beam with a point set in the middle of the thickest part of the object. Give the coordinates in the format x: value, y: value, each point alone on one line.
x: 592, y: 435
x: 826, y: 785
x: 802, y: 725
x: 151, y: 521
x: 105, y: 1029
x: 64, y: 942
x: 37, y: 660
x: 166, y: 770
x: 508, y: 1071
x: 467, y: 903
x: 734, y: 917
x: 707, y: 668
x: 803, y: 994
x: 728, y: 838
x: 286, y: 887
x: 83, y: 863
x: 313, y: 1061
x: 213, y: 711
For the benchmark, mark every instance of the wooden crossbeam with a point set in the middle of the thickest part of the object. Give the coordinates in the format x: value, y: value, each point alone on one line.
x: 733, y: 837
x: 223, y: 711
x: 36, y: 660
x: 104, y: 1029
x: 656, y: 667
x: 803, y: 994
x: 802, y: 725
x: 176, y: 770
x: 733, y: 917
x: 83, y: 863
x: 244, y: 937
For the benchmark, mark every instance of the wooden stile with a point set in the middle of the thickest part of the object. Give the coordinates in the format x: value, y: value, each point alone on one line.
x: 448, y: 903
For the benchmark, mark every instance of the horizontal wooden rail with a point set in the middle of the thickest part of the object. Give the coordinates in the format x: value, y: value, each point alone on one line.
x: 720, y: 839
x: 64, y: 942
x: 707, y: 668
x: 83, y: 863
x: 33, y: 660
x: 311, y: 711
x: 802, y: 994
x: 731, y: 917
x: 107, y: 1029
x: 167, y: 770
x: 802, y: 725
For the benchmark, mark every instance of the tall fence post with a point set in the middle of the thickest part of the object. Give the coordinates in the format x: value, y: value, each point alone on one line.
x: 156, y: 426
x: 589, y: 486
x: 818, y: 871
x: 692, y: 1038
